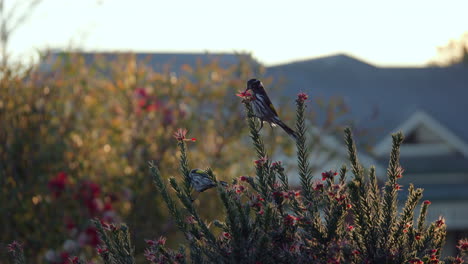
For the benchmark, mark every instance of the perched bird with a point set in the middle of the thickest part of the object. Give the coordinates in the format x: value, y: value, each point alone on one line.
x: 264, y: 109
x: 201, y: 181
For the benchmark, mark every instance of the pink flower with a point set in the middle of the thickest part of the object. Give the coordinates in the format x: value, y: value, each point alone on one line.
x: 161, y: 241
x: 328, y: 175
x: 427, y: 202
x: 463, y: 245
x: 440, y: 222
x: 416, y: 261
x: 302, y: 97
x: 102, y: 251
x: 398, y: 187
x: 14, y: 246
x: 317, y: 186
x: 180, y: 134
x: 261, y: 161
x: 246, y: 95
x: 350, y: 228
x: 399, y: 172
x: 243, y: 178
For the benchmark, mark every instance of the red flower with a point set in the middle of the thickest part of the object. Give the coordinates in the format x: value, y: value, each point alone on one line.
x: 440, y: 222
x: 180, y: 134
x: 349, y: 206
x: 301, y: 97
x: 399, y: 172
x: 261, y: 161
x: 356, y: 252
x: 350, y: 228
x: 226, y: 235
x: 427, y: 202
x: 74, y: 260
x: 239, y: 188
x: 243, y: 178
x: 102, y: 251
x: 463, y: 245
x: 398, y: 187
x: 57, y: 184
x: 190, y: 220
x: 290, y: 220
x: 416, y: 261
x: 161, y: 241
x: 328, y: 175
x: 14, y: 246
x: 317, y: 186
x: 246, y: 95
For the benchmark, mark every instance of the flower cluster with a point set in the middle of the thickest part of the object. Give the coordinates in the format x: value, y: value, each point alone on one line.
x: 180, y: 135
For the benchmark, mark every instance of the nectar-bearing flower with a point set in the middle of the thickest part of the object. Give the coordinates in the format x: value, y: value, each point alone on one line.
x: 302, y: 97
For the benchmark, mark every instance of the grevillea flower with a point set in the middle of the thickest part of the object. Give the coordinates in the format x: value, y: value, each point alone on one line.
x: 463, y: 245
x: 243, y: 178
x: 261, y: 161
x: 246, y: 95
x: 427, y: 202
x: 440, y: 222
x: 416, y: 261
x: 277, y: 165
x: 226, y: 235
x: 317, y: 186
x: 161, y: 241
x: 302, y: 97
x: 398, y: 187
x: 350, y: 228
x: 14, y: 246
x: 399, y: 172
x: 102, y: 251
x: 328, y: 175
x: 180, y: 135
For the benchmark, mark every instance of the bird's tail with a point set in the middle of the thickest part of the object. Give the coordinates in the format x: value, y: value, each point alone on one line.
x: 287, y: 129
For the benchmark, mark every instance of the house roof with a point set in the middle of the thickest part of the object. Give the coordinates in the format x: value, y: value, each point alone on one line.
x: 393, y: 93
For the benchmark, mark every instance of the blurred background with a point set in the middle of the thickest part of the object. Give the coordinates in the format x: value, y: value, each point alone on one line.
x: 90, y: 91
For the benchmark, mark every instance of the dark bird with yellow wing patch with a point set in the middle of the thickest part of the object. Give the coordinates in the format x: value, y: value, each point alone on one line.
x: 264, y: 109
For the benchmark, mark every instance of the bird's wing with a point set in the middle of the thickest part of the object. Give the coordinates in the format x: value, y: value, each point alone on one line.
x: 269, y: 103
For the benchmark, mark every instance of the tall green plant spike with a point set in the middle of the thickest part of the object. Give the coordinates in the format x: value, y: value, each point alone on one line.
x: 254, y: 133
x: 303, y: 152
x: 352, y: 153
x: 390, y: 191
x: 184, y: 167
x: 422, y: 217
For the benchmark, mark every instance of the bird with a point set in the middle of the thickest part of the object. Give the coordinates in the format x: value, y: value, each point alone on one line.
x: 201, y: 180
x: 263, y: 107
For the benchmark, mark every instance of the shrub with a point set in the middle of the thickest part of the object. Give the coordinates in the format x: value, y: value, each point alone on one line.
x: 330, y: 220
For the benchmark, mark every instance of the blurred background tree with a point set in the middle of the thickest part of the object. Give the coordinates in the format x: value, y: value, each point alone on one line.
x: 455, y: 52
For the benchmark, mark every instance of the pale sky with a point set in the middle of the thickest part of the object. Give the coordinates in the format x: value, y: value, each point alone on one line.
x: 387, y: 33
